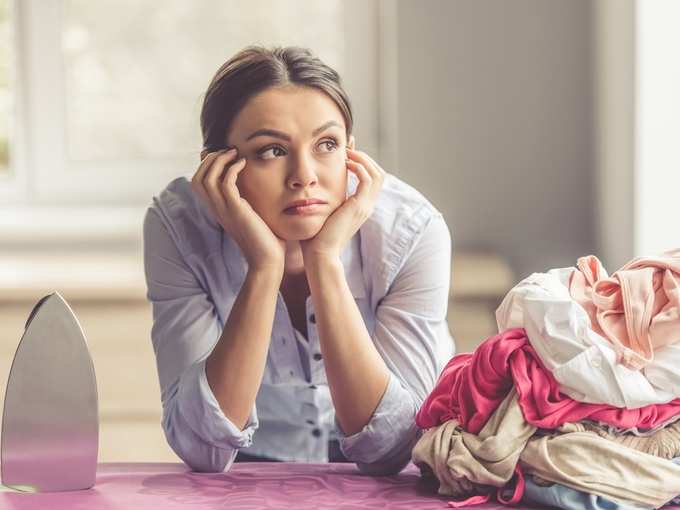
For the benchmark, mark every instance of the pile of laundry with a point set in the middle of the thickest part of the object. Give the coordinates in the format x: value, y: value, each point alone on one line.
x: 575, y: 403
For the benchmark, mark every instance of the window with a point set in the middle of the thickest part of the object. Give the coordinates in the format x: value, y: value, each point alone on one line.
x: 108, y: 94
x: 6, y: 64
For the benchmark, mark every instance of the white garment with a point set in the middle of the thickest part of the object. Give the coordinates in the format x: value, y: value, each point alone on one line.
x: 582, y: 361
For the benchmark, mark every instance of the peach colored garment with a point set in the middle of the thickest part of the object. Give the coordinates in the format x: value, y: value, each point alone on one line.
x: 637, y: 308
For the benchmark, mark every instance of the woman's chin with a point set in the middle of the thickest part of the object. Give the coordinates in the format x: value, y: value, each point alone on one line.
x: 303, y: 230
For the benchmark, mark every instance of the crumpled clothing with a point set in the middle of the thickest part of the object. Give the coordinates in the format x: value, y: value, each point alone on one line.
x: 637, y: 308
x: 638, y: 431
x: 559, y: 496
x: 584, y: 362
x: 589, y: 463
x: 472, y: 385
x: 462, y: 461
x: 467, y: 464
x: 664, y: 443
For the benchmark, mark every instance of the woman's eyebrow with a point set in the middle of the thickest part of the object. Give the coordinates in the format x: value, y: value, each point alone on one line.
x: 284, y: 136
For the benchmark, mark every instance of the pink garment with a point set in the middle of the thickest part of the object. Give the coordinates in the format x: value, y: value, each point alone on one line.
x: 472, y: 385
x: 471, y: 501
x: 637, y: 309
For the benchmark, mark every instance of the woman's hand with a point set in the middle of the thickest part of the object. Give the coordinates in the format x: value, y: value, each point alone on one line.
x: 260, y: 246
x: 346, y: 220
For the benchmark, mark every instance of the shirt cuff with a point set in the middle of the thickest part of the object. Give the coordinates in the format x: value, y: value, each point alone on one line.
x: 200, y: 409
x: 390, y: 431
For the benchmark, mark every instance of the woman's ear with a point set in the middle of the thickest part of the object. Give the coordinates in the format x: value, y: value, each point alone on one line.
x: 350, y: 144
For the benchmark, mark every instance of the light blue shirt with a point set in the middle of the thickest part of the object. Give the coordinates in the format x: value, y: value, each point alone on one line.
x: 398, y: 268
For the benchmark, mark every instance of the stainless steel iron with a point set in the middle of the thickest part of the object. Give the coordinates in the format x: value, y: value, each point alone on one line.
x: 50, y: 423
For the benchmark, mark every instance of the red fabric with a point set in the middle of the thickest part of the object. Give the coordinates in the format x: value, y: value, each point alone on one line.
x: 517, y: 492
x: 471, y: 501
x: 472, y: 385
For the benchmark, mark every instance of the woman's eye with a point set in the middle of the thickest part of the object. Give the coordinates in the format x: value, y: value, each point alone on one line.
x: 330, y: 144
x: 274, y: 148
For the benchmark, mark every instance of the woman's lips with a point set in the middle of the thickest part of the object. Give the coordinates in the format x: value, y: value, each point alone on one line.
x: 304, y: 209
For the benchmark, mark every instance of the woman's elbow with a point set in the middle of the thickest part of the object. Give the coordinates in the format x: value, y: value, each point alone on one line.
x: 216, y: 461
x: 200, y: 456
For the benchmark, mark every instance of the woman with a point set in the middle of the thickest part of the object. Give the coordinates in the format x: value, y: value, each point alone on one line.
x: 308, y: 333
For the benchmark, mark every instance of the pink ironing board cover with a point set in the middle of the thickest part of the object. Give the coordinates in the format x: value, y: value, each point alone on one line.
x: 251, y: 486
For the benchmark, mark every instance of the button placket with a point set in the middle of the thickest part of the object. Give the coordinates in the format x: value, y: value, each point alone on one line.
x: 284, y: 346
x: 308, y: 414
x: 314, y: 347
x: 318, y: 371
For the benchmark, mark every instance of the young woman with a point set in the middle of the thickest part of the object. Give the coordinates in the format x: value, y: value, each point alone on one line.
x: 283, y: 331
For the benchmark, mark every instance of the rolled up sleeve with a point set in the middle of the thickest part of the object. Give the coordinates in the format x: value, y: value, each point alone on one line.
x: 185, y: 329
x: 384, y: 445
x: 413, y: 338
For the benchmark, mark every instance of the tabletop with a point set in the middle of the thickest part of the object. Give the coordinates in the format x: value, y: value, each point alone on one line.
x: 247, y: 485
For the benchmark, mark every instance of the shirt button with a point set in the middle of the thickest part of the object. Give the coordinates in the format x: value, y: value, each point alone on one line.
x: 318, y: 356
x: 312, y: 319
x: 312, y: 387
x: 316, y: 432
x: 310, y: 422
x: 292, y: 372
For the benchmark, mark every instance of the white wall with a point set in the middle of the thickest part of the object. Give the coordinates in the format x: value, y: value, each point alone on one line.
x: 657, y: 161
x: 638, y: 161
x: 614, y: 129
x: 496, y: 123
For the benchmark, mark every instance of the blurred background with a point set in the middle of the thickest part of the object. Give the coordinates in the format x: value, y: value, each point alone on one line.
x: 544, y: 130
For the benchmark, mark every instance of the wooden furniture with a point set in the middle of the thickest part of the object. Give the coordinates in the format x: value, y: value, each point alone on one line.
x: 479, y: 281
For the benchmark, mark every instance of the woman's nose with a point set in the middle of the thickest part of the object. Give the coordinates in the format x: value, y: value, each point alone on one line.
x: 303, y: 172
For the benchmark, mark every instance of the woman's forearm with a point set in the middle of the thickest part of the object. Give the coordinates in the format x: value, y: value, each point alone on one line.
x: 357, y: 375
x: 234, y: 368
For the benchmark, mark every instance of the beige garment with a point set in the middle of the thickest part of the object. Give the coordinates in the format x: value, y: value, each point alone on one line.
x: 464, y: 462
x: 664, y: 443
x: 589, y: 463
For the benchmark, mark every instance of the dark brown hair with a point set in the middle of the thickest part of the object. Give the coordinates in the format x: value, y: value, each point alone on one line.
x: 255, y: 69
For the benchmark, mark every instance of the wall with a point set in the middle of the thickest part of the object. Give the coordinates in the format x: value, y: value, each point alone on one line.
x: 496, y: 123
x: 614, y: 128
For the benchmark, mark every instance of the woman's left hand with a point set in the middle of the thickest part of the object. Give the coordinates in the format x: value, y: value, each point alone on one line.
x: 346, y: 220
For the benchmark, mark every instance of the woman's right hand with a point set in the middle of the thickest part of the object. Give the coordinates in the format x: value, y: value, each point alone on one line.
x: 260, y: 246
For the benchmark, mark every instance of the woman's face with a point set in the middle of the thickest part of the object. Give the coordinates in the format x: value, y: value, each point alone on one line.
x: 294, y: 142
